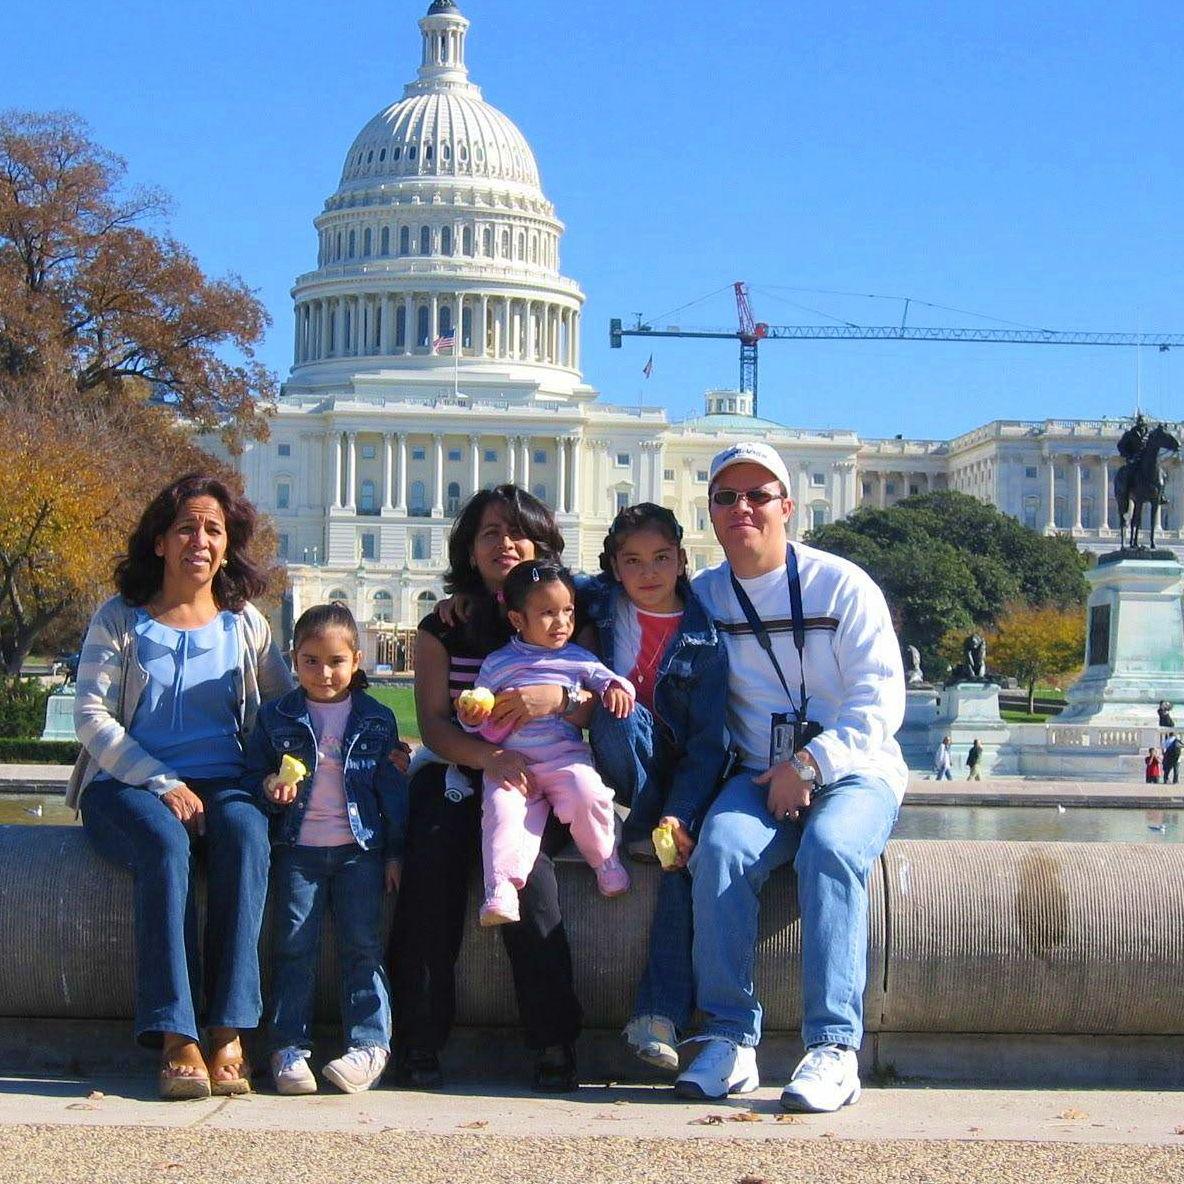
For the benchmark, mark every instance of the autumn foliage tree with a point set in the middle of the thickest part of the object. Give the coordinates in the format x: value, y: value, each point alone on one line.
x: 1033, y: 643
x: 116, y: 351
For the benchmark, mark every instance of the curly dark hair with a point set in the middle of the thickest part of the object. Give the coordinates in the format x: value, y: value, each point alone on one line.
x: 139, y: 574
x: 532, y: 574
x: 526, y: 515
x: 643, y: 516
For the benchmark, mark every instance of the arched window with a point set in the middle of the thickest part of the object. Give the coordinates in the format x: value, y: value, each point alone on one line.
x: 418, y: 499
x: 453, y: 503
x: 425, y: 240
x: 445, y: 319
x: 337, y: 246
x: 405, y: 240
x: 534, y: 248
x: 520, y: 250
x: 366, y: 242
x: 428, y: 153
x: 487, y: 242
x: 384, y: 606
x: 367, y: 502
x: 353, y: 244
x: 466, y: 241
x: 505, y: 244
x: 338, y: 594
x: 411, y: 151
x: 401, y: 326
x: 446, y: 240
x: 1060, y: 514
x: 466, y: 328
x: 385, y: 246
x: 445, y: 152
x: 421, y: 327
x: 425, y: 602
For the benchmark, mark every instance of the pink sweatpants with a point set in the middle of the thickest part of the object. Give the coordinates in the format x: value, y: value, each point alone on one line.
x: 512, y: 825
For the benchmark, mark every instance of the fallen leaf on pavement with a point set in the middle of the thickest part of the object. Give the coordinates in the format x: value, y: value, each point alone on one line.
x: 795, y: 1119
x: 1073, y: 1112
x: 745, y: 1116
x: 475, y: 1125
x: 975, y: 1129
x: 828, y: 1135
x: 707, y: 1120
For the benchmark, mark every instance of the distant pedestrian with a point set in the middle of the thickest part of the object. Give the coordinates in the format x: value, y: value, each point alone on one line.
x: 1165, y: 714
x: 942, y: 770
x: 1171, y: 759
x: 1154, y: 766
x: 974, y: 762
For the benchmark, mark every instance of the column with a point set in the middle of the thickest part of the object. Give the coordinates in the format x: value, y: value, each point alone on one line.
x: 475, y: 448
x: 401, y: 504
x: 511, y: 457
x: 408, y: 323
x: 883, y: 490
x: 1050, y: 521
x: 575, y: 340
x: 336, y: 442
x: 1105, y: 494
x: 576, y: 500
x: 524, y: 480
x: 298, y: 346
x: 351, y: 472
x: 836, y: 492
x: 515, y: 329
x: 1077, y: 492
x: 480, y: 338
x: 531, y: 332
x: 561, y: 469
x: 438, y: 491
x: 388, y: 465
x: 388, y: 326
x: 434, y: 320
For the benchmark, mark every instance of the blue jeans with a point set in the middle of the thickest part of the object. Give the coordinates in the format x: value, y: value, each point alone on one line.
x: 625, y: 756
x: 944, y: 775
x: 136, y: 830
x: 832, y: 849
x: 349, y: 882
x: 624, y: 750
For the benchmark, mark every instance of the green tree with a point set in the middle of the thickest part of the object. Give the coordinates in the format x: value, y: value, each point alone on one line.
x: 948, y: 563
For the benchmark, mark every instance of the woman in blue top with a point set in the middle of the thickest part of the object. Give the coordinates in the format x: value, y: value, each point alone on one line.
x: 172, y: 674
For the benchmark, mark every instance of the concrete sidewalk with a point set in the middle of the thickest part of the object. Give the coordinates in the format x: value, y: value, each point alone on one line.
x: 113, y: 1129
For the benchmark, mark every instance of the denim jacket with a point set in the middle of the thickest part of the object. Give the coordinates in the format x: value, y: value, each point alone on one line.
x: 375, y: 791
x: 690, y: 694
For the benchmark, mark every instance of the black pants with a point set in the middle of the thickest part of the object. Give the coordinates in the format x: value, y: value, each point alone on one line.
x: 443, y: 850
x: 1171, y: 769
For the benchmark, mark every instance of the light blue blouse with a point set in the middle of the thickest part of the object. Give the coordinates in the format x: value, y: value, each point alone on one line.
x: 187, y: 716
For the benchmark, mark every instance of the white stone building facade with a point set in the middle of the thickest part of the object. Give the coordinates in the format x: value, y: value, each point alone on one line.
x: 437, y: 351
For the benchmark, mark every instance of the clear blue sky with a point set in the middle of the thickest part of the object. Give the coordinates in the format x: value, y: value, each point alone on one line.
x: 1021, y: 160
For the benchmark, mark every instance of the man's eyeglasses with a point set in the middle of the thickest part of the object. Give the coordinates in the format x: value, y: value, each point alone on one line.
x: 754, y: 497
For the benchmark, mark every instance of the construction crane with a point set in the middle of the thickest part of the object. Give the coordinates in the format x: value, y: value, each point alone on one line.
x: 751, y: 332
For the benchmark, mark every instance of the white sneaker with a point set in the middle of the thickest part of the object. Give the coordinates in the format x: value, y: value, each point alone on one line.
x: 357, y: 1069
x: 653, y: 1039
x: 723, y: 1067
x: 290, y: 1072
x: 827, y: 1078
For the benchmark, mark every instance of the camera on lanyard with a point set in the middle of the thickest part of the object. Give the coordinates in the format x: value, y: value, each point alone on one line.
x: 788, y: 734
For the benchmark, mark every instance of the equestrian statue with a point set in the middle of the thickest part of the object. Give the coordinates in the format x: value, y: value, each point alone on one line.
x: 1140, y: 481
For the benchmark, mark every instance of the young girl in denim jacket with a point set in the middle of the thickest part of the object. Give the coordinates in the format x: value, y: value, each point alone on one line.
x: 338, y: 835
x: 667, y: 757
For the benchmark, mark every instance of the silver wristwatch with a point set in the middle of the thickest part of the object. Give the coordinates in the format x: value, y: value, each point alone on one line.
x: 803, y: 769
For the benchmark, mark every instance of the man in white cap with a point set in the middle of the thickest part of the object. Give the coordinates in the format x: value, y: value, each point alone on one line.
x: 815, y: 696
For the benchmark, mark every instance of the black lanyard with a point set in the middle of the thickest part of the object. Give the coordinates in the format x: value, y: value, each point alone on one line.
x: 799, y: 627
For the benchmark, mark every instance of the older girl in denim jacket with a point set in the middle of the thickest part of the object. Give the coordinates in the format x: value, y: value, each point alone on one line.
x: 338, y: 834
x: 667, y: 757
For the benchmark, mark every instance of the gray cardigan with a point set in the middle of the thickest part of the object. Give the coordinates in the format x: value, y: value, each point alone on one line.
x: 111, y: 680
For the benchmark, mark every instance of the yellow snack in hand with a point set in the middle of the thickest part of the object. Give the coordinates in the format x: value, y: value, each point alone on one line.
x: 477, y: 699
x: 664, y: 845
x: 292, y: 770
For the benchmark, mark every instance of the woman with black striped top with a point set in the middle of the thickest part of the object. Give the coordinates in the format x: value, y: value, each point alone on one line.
x: 496, y: 530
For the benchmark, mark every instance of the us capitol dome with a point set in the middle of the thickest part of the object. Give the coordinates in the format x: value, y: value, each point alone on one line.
x: 439, y: 225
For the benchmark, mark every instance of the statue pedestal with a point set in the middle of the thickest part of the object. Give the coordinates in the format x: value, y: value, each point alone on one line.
x: 59, y: 715
x: 969, y: 711
x: 920, y: 710
x: 1134, y: 642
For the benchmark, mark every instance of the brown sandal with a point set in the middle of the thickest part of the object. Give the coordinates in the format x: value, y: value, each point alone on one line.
x: 229, y: 1069
x: 183, y: 1078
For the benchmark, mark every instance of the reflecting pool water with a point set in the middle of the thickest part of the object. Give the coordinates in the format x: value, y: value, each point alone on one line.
x: 1067, y: 824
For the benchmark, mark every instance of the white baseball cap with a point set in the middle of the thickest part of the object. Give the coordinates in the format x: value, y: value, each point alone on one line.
x: 750, y: 452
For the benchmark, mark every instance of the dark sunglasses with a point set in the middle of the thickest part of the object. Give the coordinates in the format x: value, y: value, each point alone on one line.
x: 754, y: 497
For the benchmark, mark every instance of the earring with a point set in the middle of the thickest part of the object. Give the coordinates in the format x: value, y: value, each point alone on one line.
x: 225, y: 562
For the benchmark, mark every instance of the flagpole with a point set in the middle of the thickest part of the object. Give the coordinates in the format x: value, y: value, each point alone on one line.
x: 456, y: 366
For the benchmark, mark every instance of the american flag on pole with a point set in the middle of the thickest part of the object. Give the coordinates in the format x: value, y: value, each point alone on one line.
x: 648, y: 368
x: 446, y: 340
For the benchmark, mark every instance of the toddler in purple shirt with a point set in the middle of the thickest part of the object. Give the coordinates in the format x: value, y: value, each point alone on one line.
x: 540, y: 598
